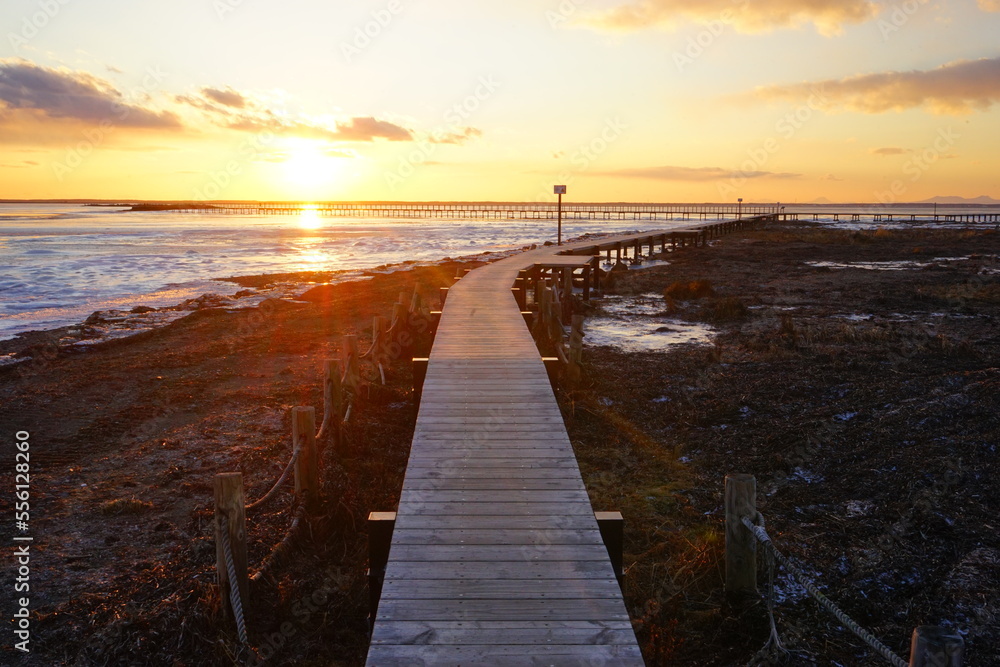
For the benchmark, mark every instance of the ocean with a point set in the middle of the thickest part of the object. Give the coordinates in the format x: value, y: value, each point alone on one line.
x: 60, y: 263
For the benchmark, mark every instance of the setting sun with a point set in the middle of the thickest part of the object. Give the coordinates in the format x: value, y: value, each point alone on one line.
x: 309, y: 164
x: 310, y: 218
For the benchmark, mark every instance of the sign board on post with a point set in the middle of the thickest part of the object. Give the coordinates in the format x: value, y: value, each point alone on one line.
x: 559, y: 190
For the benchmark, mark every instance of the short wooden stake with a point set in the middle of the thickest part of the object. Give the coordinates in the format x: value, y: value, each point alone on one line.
x: 933, y: 646
x: 333, y: 400
x: 349, y: 360
x: 552, y: 368
x: 307, y: 465
x: 380, y: 527
x: 519, y: 297
x: 612, y: 527
x: 741, y: 545
x: 443, y: 293
x: 419, y: 373
x: 229, y: 502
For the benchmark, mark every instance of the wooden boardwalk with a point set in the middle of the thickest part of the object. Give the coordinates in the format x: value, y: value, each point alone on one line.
x: 496, y: 555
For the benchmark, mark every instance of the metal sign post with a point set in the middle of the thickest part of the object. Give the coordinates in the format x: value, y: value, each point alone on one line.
x: 739, y: 208
x: 560, y: 190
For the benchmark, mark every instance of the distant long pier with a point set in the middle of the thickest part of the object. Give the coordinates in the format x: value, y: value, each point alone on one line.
x: 483, y: 210
x: 885, y: 216
x: 549, y: 211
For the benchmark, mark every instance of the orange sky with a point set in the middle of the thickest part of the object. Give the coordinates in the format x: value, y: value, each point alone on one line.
x: 637, y: 100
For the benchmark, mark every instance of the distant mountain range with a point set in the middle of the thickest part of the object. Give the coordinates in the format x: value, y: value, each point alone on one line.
x: 960, y: 200
x: 984, y: 200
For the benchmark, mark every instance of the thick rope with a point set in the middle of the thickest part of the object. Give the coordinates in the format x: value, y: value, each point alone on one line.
x: 277, y: 485
x: 797, y: 574
x: 283, y: 549
x: 234, y: 588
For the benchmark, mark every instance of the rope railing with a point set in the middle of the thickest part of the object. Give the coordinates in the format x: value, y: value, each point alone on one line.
x: 342, y: 382
x: 273, y: 492
x: 765, y: 540
x: 930, y: 645
x: 234, y: 590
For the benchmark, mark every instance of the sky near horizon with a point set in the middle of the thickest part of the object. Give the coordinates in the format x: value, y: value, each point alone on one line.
x: 623, y: 100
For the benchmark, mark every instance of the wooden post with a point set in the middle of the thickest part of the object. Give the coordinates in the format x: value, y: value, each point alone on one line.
x: 612, y: 527
x: 933, y: 646
x: 349, y: 360
x: 307, y: 465
x: 741, y: 545
x: 519, y: 297
x: 419, y: 374
x: 379, y: 327
x: 443, y: 295
x: 333, y: 400
x: 229, y: 502
x: 552, y: 367
x: 567, y: 295
x: 586, y: 283
x: 380, y: 527
x: 399, y: 312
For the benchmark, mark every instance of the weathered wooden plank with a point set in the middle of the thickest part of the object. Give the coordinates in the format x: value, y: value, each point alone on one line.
x: 503, y: 632
x: 496, y: 522
x: 504, y: 610
x: 496, y: 536
x: 475, y: 496
x: 500, y: 589
x: 461, y: 553
x: 493, y: 509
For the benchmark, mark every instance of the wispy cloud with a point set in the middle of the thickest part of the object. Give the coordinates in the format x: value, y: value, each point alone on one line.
x: 889, y: 150
x: 228, y: 97
x: 959, y: 87
x: 829, y: 16
x: 245, y: 112
x: 458, y: 137
x: 697, y: 174
x: 62, y: 94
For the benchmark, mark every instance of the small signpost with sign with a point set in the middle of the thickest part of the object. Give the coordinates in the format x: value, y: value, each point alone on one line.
x: 560, y: 190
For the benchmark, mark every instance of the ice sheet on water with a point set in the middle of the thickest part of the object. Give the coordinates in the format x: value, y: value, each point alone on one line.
x: 101, y: 258
x: 900, y: 265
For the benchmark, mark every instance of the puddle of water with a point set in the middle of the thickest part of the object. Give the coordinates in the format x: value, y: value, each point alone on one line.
x: 639, y: 324
x: 900, y: 265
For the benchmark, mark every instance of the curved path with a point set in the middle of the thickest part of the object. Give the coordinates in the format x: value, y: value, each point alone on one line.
x: 496, y: 556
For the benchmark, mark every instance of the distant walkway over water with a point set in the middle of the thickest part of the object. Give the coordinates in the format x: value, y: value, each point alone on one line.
x: 496, y: 556
x: 490, y: 210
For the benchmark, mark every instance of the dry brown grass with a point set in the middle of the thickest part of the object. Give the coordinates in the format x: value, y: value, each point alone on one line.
x: 120, y: 506
x: 687, y: 290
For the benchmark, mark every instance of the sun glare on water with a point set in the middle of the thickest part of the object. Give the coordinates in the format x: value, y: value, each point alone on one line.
x: 310, y: 218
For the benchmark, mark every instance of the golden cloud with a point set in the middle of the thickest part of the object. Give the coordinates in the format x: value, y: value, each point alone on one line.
x: 959, y: 87
x: 829, y: 16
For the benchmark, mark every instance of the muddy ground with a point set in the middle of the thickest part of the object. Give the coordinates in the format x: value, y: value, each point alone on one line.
x: 866, y: 404
x: 864, y: 401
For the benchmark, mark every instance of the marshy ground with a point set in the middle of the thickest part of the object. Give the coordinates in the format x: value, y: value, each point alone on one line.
x: 864, y: 400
